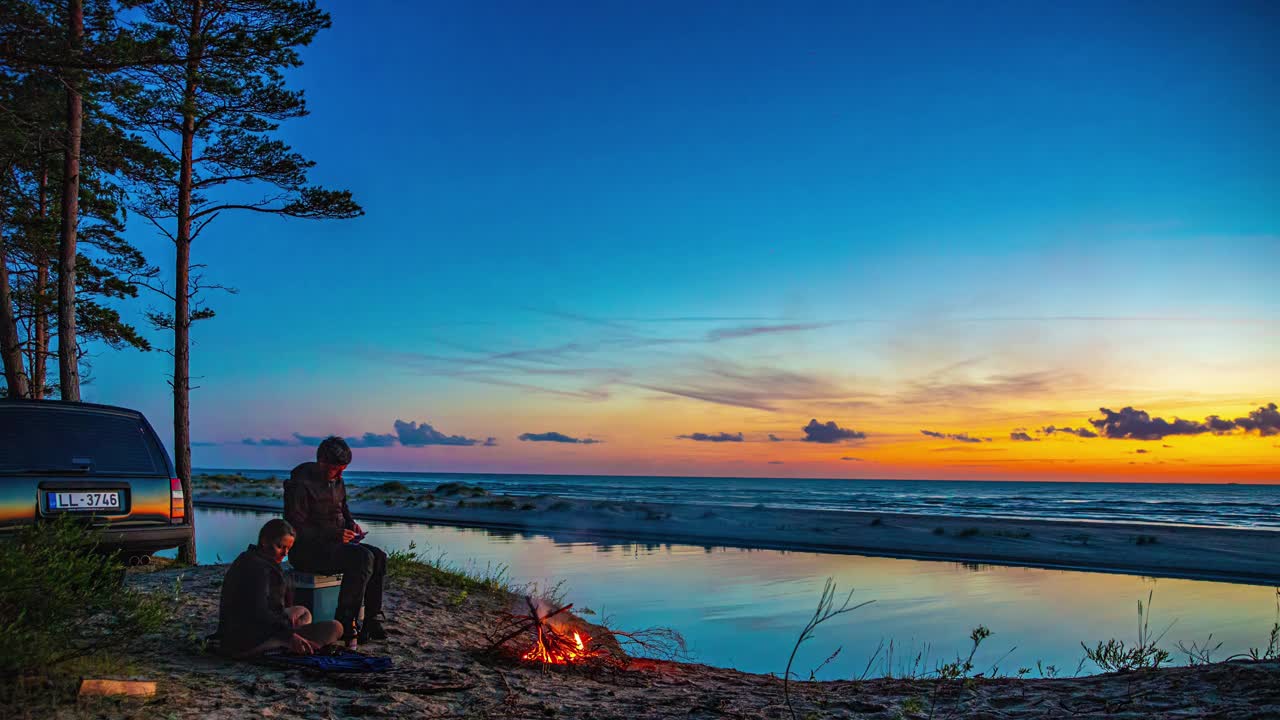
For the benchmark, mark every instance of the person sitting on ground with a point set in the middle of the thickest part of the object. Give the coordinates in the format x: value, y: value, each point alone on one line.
x: 315, y: 501
x: 255, y: 613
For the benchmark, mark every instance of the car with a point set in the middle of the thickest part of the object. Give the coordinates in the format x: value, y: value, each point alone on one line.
x: 100, y: 464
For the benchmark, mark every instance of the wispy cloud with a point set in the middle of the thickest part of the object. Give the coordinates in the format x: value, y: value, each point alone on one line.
x: 774, y: 438
x: 848, y: 458
x: 713, y: 437
x: 266, y: 442
x: 961, y: 437
x: 753, y: 330
x: 1022, y: 436
x: 1083, y: 432
x: 557, y: 438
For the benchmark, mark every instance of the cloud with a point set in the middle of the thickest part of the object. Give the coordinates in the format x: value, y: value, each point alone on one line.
x: 266, y: 442
x: 372, y: 440
x: 201, y: 443
x: 851, y: 459
x: 939, y: 389
x: 1139, y: 425
x: 757, y: 388
x: 1265, y: 421
x: 367, y: 440
x: 1022, y: 436
x: 717, y: 437
x: 774, y: 438
x: 962, y: 437
x: 412, y: 434
x: 751, y: 330
x: 1219, y: 426
x: 1079, y: 432
x: 776, y: 462
x: 556, y: 437
x: 490, y: 442
x: 829, y: 432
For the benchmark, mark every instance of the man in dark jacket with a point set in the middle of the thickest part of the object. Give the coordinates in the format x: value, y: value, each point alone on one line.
x: 255, y: 613
x: 315, y: 502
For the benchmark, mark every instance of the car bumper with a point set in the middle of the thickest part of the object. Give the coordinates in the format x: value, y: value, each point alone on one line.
x: 145, y: 539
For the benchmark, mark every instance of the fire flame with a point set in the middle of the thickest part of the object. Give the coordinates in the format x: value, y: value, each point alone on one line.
x: 554, y: 649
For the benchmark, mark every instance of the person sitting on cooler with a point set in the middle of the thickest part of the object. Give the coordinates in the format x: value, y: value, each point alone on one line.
x: 315, y: 503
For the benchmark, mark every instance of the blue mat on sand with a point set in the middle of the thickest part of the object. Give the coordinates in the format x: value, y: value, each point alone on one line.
x: 340, y: 661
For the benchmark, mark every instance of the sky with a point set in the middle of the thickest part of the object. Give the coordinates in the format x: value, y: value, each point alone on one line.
x: 1018, y: 242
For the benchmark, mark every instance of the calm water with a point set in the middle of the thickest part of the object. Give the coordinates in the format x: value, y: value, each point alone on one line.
x: 743, y: 608
x: 1225, y: 505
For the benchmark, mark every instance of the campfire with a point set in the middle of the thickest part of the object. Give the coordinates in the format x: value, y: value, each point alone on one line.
x: 551, y: 638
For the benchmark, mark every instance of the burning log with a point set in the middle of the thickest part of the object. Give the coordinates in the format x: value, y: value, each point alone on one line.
x: 551, y: 641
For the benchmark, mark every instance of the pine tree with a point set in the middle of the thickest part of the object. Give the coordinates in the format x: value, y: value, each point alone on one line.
x: 107, y: 267
x: 214, y: 111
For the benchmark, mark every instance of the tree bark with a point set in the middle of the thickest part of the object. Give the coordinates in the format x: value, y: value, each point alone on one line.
x: 40, y: 352
x: 10, y: 346
x: 68, y: 355
x: 182, y: 293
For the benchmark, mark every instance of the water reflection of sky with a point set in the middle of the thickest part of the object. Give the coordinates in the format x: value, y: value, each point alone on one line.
x: 743, y: 608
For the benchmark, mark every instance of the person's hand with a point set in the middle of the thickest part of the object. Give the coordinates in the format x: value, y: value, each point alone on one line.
x: 348, y: 535
x: 300, y: 645
x: 358, y: 530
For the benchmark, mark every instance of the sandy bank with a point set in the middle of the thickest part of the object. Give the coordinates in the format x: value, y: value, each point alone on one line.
x: 436, y: 635
x: 1229, y: 555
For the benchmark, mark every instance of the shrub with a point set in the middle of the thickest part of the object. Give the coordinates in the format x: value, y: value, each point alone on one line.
x: 393, y: 487
x: 457, y: 488
x: 1146, y: 540
x: 1114, y: 656
x: 61, y: 600
x: 877, y: 522
x: 939, y: 531
x: 968, y: 532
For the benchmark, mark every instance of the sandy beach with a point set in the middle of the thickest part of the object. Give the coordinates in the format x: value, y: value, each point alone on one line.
x: 437, y: 641
x: 1206, y: 553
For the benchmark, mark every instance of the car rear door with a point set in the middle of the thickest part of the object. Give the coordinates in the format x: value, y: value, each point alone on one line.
x: 103, y: 465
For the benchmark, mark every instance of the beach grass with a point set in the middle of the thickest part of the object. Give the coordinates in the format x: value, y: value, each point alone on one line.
x: 416, y: 566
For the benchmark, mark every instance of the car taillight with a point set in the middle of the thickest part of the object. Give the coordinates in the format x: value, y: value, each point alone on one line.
x: 177, y: 507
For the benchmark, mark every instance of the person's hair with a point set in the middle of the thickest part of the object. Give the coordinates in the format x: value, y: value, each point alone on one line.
x: 274, y: 530
x: 333, y: 450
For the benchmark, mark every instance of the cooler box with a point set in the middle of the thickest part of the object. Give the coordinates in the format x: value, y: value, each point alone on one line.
x: 317, y: 593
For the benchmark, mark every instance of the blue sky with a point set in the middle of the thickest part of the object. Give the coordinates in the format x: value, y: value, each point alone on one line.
x: 892, y: 192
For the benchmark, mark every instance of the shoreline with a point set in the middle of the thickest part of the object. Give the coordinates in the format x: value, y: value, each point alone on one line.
x: 1235, y: 555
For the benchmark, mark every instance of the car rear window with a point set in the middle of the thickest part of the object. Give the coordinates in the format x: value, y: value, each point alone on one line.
x: 54, y: 438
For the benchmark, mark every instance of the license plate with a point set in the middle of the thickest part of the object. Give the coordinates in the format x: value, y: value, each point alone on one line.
x: 108, y: 500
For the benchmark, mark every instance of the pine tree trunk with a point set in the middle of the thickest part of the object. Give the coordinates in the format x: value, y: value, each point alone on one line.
x: 10, y: 347
x: 68, y: 355
x: 182, y: 294
x: 40, y: 353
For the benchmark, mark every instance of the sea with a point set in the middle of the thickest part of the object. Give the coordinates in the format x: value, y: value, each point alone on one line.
x: 1220, y: 505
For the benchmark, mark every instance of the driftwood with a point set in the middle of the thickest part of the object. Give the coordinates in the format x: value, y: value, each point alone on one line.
x: 100, y: 686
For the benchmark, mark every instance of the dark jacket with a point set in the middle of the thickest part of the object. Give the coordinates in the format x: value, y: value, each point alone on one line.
x: 315, y: 507
x: 255, y: 593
